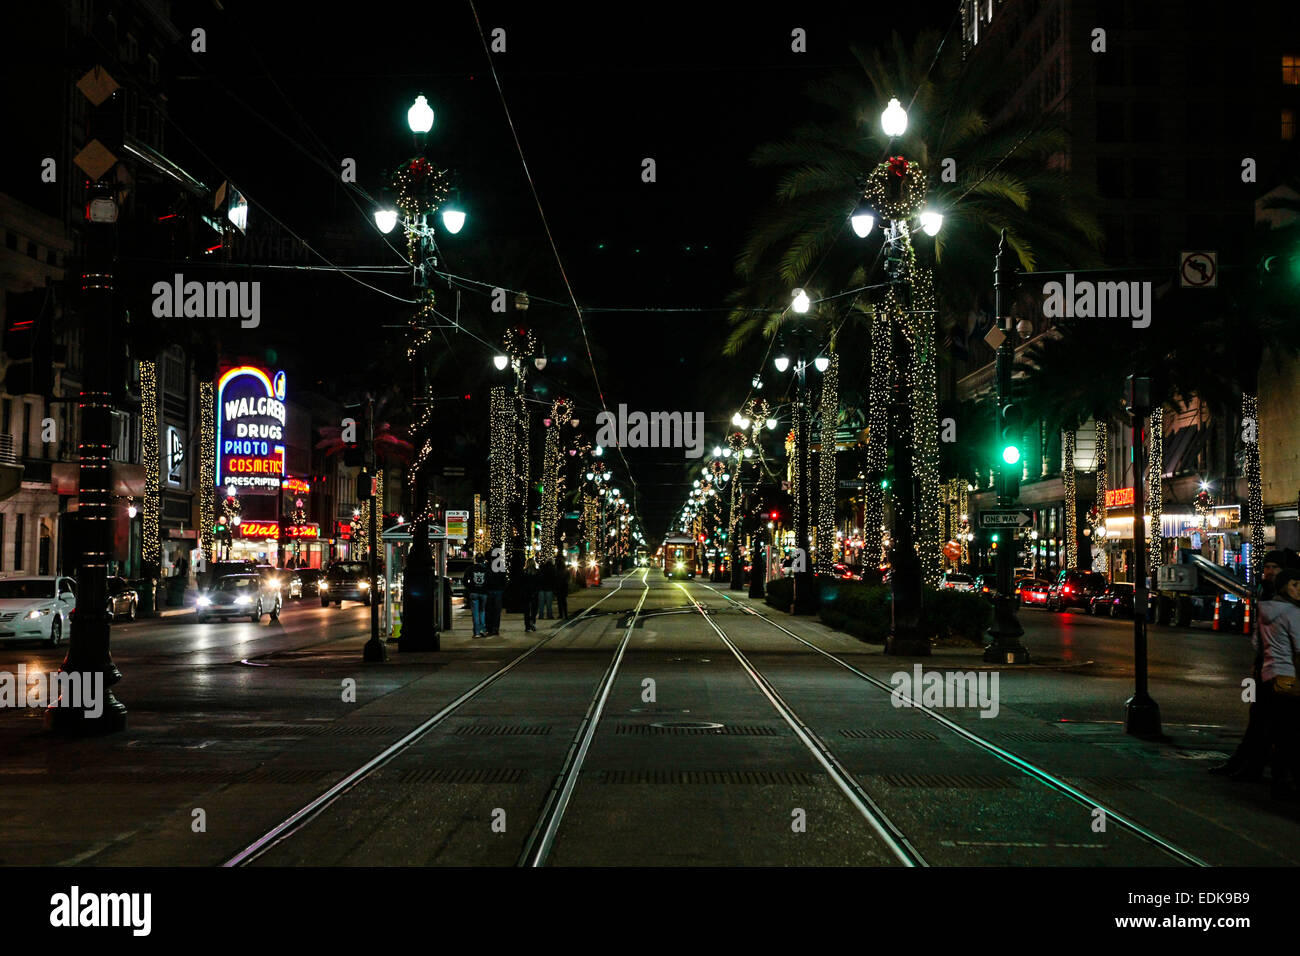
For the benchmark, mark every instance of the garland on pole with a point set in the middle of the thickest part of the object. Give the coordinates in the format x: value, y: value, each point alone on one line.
x: 826, y: 492
x: 924, y: 384
x: 591, y: 526
x: 1155, y: 469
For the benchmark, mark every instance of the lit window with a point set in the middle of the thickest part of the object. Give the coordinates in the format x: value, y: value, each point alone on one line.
x: 1288, y: 124
x: 1291, y: 70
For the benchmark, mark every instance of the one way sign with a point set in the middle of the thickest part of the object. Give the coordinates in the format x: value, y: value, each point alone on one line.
x: 1006, y: 519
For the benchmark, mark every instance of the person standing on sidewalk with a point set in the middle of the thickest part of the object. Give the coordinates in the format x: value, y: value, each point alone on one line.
x: 1252, y: 755
x: 496, y: 587
x: 532, y: 585
x: 562, y: 587
x: 476, y: 593
x: 546, y: 590
x: 1279, y: 638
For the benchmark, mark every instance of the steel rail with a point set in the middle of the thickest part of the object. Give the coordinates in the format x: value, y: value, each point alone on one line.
x: 1030, y: 769
x: 542, y: 838
x: 300, y: 818
x: 894, y: 838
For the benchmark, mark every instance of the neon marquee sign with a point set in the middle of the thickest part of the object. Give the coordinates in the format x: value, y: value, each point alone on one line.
x: 251, y: 419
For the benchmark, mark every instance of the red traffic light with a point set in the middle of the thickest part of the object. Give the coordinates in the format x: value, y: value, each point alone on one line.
x: 701, y: 537
x: 775, y: 515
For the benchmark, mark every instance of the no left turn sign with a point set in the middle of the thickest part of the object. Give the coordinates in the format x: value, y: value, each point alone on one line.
x: 1198, y: 270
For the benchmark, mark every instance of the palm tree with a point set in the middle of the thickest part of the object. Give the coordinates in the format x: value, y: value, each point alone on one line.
x: 985, y: 175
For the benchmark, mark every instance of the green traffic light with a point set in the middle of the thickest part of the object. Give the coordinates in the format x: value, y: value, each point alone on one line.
x: 995, y: 538
x: 1011, y: 454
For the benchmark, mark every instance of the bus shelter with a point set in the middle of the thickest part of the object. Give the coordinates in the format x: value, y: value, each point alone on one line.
x: 397, y: 546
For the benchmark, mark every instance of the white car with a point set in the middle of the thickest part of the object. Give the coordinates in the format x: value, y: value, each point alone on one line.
x: 36, y: 608
x: 957, y: 582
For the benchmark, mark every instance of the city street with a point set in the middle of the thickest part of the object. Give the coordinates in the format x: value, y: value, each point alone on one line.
x: 458, y: 460
x: 247, y: 723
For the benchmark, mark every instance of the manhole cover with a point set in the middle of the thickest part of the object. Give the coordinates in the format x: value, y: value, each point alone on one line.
x: 688, y: 725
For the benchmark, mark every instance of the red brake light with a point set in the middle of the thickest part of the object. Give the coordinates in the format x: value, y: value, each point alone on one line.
x: 1066, y: 589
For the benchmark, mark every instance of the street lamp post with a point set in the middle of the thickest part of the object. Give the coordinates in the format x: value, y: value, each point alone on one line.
x: 1141, y: 712
x: 421, y: 191
x: 1004, y: 646
x: 804, y: 579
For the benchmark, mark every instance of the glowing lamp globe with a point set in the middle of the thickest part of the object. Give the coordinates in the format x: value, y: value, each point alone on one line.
x: 931, y: 222
x: 801, y: 302
x: 782, y: 362
x: 453, y: 219
x: 893, y: 121
x: 500, y: 361
x: 420, y: 116
x: 386, y: 220
x: 821, y: 363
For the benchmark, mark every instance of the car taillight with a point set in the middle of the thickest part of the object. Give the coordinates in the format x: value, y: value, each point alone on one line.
x: 1066, y: 589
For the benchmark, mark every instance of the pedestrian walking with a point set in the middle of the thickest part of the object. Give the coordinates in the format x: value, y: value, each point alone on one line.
x: 546, y: 590
x: 562, y: 587
x: 1252, y: 755
x: 532, y: 584
x: 496, y: 589
x: 476, y: 593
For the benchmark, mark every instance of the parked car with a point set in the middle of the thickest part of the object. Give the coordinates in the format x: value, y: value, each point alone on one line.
x: 304, y: 582
x: 1115, y: 601
x: 123, y: 601
x: 1075, y: 588
x: 1033, y: 591
x: 987, y: 585
x: 845, y: 573
x: 347, y: 581
x: 240, y: 595
x: 955, y: 581
x: 36, y: 608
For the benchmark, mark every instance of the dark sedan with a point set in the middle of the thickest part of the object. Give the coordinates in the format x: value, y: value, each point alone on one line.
x: 1075, y: 588
x: 347, y: 581
x: 1115, y: 601
x: 305, y: 582
x: 123, y: 601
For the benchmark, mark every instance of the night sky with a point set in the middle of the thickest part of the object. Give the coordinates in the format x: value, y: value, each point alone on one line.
x: 283, y: 95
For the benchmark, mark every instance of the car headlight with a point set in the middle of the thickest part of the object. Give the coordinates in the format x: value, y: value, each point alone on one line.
x: 243, y: 599
x: 679, y: 565
x: 204, y: 601
x: 39, y: 613
x: 363, y: 584
x: 323, y: 586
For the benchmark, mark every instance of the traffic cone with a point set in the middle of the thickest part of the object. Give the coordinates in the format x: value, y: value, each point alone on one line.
x: 1245, y: 625
x: 1217, y: 601
x: 397, y: 623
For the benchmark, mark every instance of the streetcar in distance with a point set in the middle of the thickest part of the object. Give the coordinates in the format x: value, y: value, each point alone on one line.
x: 679, y: 557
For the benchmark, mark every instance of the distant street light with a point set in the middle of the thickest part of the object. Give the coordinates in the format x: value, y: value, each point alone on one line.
x: 801, y: 302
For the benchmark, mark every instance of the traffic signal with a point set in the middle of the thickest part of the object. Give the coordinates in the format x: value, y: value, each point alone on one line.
x: 1011, y: 427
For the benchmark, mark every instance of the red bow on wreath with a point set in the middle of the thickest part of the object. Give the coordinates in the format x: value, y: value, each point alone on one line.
x: 419, y: 167
x: 897, y: 166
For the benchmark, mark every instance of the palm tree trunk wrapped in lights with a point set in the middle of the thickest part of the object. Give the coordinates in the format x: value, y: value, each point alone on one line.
x: 1254, y: 489
x: 1071, y: 499
x: 553, y: 476
x: 1102, y: 485
x: 925, y: 423
x: 502, y: 468
x: 207, y: 467
x: 826, y: 490
x: 1155, y: 469
x: 882, y: 378
x: 591, y: 527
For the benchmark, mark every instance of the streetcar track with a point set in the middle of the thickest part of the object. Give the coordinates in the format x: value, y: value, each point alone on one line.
x: 1031, y: 770
x: 889, y: 833
x: 542, y: 838
x: 296, y: 821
